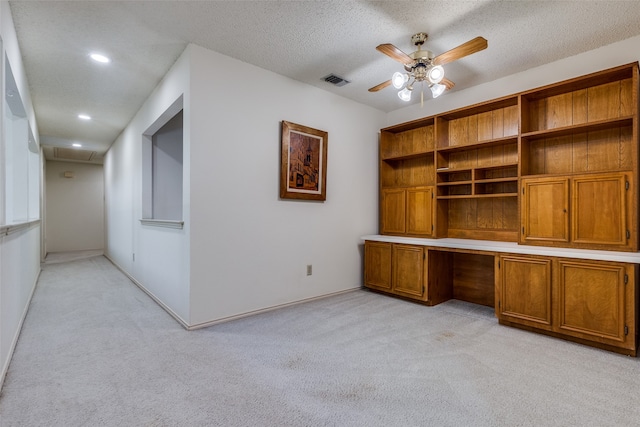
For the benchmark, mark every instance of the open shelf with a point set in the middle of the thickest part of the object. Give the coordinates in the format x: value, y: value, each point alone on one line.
x: 579, y: 128
x: 480, y: 144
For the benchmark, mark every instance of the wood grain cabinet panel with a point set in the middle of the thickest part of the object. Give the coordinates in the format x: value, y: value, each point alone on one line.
x: 377, y: 265
x: 408, y: 270
x: 599, y: 214
x: 420, y: 211
x: 525, y: 291
x: 545, y: 210
x: 596, y: 301
x: 393, y: 211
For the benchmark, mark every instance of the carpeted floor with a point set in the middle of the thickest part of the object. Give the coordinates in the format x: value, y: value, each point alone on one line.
x: 96, y: 351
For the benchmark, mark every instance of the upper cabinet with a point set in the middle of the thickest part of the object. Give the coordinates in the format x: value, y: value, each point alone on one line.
x: 407, y: 179
x: 556, y: 166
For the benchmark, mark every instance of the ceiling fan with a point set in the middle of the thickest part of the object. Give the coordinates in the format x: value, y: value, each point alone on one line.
x: 422, y: 66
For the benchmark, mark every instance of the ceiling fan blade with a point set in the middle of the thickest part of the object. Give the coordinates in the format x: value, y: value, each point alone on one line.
x: 380, y: 86
x: 448, y: 83
x: 394, y: 53
x: 472, y: 46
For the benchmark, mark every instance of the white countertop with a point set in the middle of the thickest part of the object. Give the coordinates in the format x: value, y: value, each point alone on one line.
x: 510, y: 247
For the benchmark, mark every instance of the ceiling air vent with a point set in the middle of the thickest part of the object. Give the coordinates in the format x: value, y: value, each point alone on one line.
x: 335, y: 80
x: 72, y: 154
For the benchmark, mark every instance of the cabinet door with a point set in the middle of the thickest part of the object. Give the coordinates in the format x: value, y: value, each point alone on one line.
x: 408, y: 271
x: 594, y: 302
x: 420, y: 211
x: 377, y: 265
x: 392, y: 212
x: 525, y: 291
x: 599, y: 212
x: 544, y: 210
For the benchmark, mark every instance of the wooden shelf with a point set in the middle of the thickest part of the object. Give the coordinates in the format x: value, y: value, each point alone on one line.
x: 451, y: 183
x: 408, y: 156
x: 581, y: 128
x: 496, y: 180
x: 478, y: 196
x: 480, y: 144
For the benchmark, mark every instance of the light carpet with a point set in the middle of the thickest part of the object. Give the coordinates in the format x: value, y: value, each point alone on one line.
x: 96, y: 351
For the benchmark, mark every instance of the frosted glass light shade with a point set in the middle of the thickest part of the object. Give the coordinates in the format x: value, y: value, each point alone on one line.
x: 399, y: 79
x: 405, y: 94
x: 437, y: 89
x: 436, y: 74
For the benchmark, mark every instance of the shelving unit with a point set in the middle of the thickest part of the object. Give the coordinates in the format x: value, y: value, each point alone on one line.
x: 553, y: 167
x: 407, y: 175
x: 478, y: 159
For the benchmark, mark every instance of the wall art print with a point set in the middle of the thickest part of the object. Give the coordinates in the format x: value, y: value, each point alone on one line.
x: 303, y: 162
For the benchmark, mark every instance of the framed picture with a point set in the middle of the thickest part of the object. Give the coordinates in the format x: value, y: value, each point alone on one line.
x: 303, y: 162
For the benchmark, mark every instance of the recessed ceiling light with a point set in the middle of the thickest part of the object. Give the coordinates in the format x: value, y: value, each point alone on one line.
x: 84, y: 117
x: 77, y: 145
x: 100, y: 58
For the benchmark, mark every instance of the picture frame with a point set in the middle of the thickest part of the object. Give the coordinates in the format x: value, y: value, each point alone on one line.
x: 303, y: 162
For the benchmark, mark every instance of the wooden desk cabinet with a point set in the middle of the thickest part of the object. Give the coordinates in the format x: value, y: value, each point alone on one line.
x: 591, y: 302
x: 403, y: 270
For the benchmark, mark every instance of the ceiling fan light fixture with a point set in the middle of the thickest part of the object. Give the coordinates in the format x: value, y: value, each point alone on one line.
x: 399, y: 79
x: 98, y: 57
x: 435, y: 74
x: 405, y: 94
x: 437, y: 89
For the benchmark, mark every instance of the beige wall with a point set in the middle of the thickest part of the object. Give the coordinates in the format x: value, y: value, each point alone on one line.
x: 74, y: 207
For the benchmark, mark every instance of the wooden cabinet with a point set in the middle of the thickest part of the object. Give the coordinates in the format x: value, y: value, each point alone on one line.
x: 396, y: 268
x: 524, y: 291
x: 406, y: 181
x: 545, y: 210
x: 555, y: 166
x: 407, y: 211
x: 409, y: 271
x: 420, y: 211
x: 393, y: 214
x: 596, y: 302
x: 586, y: 211
x: 599, y: 210
x: 593, y: 302
x: 377, y: 265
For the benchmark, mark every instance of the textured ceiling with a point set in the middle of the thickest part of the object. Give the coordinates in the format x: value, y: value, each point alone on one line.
x: 304, y: 40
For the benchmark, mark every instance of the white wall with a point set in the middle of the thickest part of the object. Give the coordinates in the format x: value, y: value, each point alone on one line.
x: 161, y: 264
x: 249, y: 250
x: 241, y: 248
x: 75, y: 207
x: 20, y: 249
x: 620, y: 53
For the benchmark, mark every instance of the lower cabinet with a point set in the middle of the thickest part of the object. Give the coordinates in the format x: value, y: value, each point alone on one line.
x: 525, y: 291
x: 396, y: 268
x: 402, y: 270
x: 593, y: 302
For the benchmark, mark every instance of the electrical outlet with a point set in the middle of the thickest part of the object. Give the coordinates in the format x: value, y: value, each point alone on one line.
x: 309, y: 270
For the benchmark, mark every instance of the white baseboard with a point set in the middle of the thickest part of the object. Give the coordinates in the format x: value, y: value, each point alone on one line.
x: 265, y: 310
x: 14, y: 341
x: 224, y: 319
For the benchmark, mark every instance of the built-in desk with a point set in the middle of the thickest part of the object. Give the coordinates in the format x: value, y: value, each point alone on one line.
x: 587, y: 296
